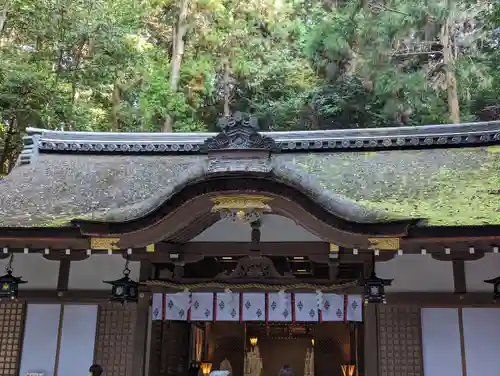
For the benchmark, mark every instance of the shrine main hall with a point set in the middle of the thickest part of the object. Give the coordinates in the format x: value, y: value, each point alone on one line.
x: 367, y: 252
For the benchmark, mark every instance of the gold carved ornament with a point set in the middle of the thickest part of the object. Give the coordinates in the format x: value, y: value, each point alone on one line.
x: 104, y: 244
x: 334, y: 248
x: 241, y: 204
x: 384, y: 244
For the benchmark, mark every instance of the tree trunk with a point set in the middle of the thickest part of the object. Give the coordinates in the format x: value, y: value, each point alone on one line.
x: 115, y: 107
x: 451, y: 79
x: 178, y: 34
x: 3, y: 16
x: 8, y: 146
x: 227, y: 91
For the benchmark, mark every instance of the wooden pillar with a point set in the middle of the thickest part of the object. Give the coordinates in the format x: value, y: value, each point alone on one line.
x: 63, y: 276
x: 353, y: 348
x: 371, y: 340
x: 141, y: 322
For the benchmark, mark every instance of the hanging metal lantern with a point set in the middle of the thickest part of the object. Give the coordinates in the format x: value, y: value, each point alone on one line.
x: 9, y: 285
x: 496, y: 287
x: 374, y: 287
x: 124, y: 290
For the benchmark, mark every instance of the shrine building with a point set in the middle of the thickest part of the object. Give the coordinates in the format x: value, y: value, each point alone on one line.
x: 365, y: 252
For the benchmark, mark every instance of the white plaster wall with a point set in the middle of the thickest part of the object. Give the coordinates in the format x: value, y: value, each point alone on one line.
x: 417, y: 273
x: 477, y: 271
x: 441, y: 342
x: 40, y: 273
x: 275, y: 228
x: 89, y: 274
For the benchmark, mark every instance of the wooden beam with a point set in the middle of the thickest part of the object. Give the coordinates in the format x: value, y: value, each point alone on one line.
x: 70, y: 296
x: 370, y: 326
x: 41, y: 242
x: 142, y: 321
x: 211, y: 249
x: 442, y: 300
x: 458, y: 256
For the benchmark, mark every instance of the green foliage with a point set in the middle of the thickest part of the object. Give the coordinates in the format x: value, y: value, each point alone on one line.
x: 105, y: 65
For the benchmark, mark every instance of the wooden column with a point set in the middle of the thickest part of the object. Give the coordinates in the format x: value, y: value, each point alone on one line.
x: 459, y: 281
x: 141, y: 322
x: 63, y: 276
x: 371, y: 340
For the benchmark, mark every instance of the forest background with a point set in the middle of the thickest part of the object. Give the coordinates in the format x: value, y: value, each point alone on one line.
x: 177, y: 65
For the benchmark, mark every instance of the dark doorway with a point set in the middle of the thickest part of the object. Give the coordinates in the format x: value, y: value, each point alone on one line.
x: 278, y: 352
x: 331, y: 345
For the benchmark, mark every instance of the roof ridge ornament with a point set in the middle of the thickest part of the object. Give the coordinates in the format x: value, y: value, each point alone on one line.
x: 239, y: 132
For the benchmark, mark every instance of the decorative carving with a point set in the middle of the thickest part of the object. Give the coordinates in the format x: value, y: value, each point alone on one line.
x: 246, y: 165
x: 334, y: 248
x: 241, y: 202
x: 254, y: 267
x: 104, y: 244
x: 239, y: 131
x: 389, y: 244
x: 247, y: 208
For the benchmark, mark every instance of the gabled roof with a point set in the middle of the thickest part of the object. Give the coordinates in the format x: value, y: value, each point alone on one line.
x: 443, y: 174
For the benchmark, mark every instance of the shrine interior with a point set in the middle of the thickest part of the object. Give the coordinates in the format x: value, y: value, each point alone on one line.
x: 252, y: 348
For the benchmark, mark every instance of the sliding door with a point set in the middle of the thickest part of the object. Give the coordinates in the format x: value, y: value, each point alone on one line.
x: 59, y: 339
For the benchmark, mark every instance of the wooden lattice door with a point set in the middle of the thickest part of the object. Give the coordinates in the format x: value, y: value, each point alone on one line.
x: 169, y: 348
x: 115, y: 338
x: 400, y: 342
x: 11, y: 334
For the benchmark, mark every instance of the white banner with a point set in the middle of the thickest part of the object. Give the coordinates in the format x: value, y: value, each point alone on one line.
x: 280, y: 306
x: 157, y: 307
x: 177, y: 306
x: 228, y: 306
x: 306, y: 307
x: 202, y: 306
x: 354, y: 308
x: 199, y: 306
x: 332, y: 307
x: 254, y: 306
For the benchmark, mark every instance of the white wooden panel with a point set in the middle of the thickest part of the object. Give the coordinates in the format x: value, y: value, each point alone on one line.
x: 477, y: 271
x: 40, y: 339
x: 275, y: 228
x: 482, y: 341
x: 441, y: 342
x: 40, y: 273
x: 407, y: 271
x: 89, y: 274
x: 77, y: 340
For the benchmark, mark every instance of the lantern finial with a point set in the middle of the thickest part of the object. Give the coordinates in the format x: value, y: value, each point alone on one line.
x: 124, y: 290
x: 374, y: 287
x: 9, y: 285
